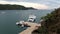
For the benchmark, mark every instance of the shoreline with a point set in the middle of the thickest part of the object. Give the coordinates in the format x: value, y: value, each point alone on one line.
x: 29, y: 30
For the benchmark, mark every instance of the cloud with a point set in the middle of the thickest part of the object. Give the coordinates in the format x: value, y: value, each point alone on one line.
x: 27, y: 4
x: 52, y: 3
x: 34, y: 5
x: 40, y: 4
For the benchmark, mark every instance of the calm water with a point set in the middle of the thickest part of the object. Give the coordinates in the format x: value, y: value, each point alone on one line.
x: 8, y: 19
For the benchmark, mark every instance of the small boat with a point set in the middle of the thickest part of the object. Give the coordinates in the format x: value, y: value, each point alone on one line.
x: 20, y: 23
x: 31, y: 18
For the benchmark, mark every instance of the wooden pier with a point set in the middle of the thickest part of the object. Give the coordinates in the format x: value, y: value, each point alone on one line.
x: 33, y: 26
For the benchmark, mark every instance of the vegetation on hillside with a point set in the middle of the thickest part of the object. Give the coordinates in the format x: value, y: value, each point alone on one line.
x: 51, y: 23
x: 13, y: 7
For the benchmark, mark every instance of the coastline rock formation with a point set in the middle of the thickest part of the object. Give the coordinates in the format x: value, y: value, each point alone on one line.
x: 51, y: 23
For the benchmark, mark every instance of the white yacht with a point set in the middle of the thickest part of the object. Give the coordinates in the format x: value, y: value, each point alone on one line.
x: 31, y: 18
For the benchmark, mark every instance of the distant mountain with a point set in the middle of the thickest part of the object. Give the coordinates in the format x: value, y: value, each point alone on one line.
x: 30, y: 8
x: 13, y: 7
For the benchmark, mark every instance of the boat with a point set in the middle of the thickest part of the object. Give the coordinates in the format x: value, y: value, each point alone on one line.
x: 31, y: 18
x: 20, y: 23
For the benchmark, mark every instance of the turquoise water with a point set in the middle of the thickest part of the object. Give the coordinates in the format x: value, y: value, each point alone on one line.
x: 8, y: 19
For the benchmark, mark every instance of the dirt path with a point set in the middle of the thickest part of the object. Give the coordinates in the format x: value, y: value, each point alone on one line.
x: 29, y: 30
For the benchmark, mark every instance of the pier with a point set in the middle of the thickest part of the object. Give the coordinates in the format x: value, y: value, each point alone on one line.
x: 33, y: 26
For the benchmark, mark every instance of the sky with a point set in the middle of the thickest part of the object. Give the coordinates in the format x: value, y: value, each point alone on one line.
x: 38, y: 4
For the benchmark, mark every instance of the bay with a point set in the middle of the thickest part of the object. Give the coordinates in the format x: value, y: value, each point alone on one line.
x: 8, y: 19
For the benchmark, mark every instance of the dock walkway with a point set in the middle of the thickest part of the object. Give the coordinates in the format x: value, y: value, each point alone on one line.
x: 33, y: 26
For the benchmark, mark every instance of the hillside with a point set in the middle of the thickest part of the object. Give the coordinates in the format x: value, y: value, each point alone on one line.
x: 13, y: 7
x: 51, y: 23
